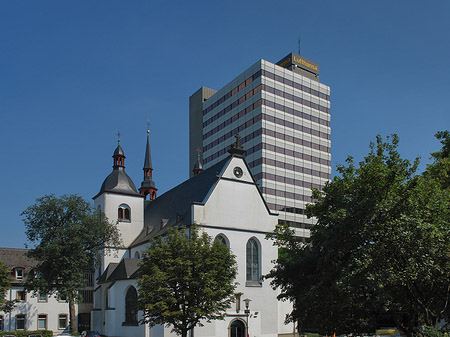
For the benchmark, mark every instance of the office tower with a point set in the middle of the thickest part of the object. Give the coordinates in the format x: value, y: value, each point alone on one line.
x: 282, y: 115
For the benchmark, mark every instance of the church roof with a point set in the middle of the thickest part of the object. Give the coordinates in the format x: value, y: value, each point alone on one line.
x: 119, y: 151
x: 118, y: 182
x: 125, y: 269
x: 173, y: 208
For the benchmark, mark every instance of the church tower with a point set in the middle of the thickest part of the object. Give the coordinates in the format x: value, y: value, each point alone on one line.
x: 148, y: 185
x: 120, y: 201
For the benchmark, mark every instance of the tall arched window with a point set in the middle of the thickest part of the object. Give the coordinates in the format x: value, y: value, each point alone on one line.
x: 131, y: 310
x: 124, y: 213
x: 137, y: 255
x: 107, y: 298
x: 253, y: 258
x: 222, y: 239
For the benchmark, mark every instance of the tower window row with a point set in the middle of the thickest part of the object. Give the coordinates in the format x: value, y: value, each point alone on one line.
x: 279, y: 93
x: 288, y: 166
x: 270, y: 75
x: 276, y: 106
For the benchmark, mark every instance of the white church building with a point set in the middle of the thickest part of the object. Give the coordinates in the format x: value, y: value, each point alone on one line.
x: 225, y: 202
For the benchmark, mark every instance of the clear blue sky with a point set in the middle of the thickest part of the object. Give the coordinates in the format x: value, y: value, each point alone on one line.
x: 74, y: 73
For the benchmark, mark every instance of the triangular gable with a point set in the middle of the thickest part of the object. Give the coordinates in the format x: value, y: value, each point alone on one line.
x: 235, y: 201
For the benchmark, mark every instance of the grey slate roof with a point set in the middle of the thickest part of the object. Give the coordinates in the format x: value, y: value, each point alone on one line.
x: 126, y: 269
x: 108, y: 271
x: 119, y: 151
x: 118, y: 182
x: 174, y: 207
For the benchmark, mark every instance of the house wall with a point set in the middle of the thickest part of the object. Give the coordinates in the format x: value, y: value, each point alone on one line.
x: 32, y: 308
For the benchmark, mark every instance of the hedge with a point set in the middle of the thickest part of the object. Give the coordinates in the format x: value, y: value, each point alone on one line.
x: 44, y: 333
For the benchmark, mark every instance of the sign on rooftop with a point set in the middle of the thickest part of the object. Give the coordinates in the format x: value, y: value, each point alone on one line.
x: 299, y: 61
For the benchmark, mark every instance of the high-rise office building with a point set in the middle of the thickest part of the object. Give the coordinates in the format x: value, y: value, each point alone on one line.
x: 282, y: 114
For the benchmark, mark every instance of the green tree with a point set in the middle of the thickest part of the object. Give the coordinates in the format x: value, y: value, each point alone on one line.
x: 184, y: 279
x: 380, y: 252
x: 67, y: 235
x: 5, y: 285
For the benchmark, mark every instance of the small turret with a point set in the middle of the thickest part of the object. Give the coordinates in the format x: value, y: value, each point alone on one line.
x: 198, y: 167
x: 118, y: 181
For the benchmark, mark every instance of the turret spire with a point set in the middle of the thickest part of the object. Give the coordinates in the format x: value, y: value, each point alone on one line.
x: 198, y: 167
x: 148, y: 185
x: 119, y: 155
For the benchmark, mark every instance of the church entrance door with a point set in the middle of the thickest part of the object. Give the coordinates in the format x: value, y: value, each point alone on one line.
x: 237, y: 329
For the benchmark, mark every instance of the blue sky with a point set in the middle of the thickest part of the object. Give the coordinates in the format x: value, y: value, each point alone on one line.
x: 74, y: 73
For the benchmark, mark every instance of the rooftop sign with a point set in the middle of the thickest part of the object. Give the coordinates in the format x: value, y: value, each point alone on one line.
x: 299, y: 61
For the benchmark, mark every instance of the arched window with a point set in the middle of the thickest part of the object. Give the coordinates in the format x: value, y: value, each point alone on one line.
x: 131, y: 310
x: 124, y: 213
x: 137, y: 255
x: 237, y: 328
x: 222, y: 239
x: 253, y: 261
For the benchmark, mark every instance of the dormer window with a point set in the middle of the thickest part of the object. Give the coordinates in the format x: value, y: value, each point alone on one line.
x: 18, y: 273
x: 124, y: 213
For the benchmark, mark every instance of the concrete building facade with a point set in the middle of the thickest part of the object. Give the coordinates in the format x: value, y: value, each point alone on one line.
x: 282, y: 115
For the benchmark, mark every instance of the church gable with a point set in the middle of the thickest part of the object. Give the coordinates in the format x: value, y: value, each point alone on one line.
x: 235, y: 202
x: 237, y: 169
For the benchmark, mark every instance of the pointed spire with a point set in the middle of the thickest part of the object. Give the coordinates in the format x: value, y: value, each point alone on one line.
x: 198, y: 167
x: 148, y: 185
x: 148, y: 155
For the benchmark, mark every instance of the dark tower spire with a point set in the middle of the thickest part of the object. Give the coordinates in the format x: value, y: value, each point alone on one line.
x: 198, y: 167
x: 148, y: 185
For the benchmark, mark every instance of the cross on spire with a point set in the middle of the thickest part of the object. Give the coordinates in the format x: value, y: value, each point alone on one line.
x: 236, y: 148
x: 148, y: 125
x: 238, y: 138
x: 118, y: 137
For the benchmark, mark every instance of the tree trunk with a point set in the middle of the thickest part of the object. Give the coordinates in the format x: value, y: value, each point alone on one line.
x: 184, y: 333
x: 72, y: 316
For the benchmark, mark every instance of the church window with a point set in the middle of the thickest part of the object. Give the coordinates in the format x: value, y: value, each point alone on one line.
x: 124, y: 213
x: 137, y: 255
x: 253, y: 262
x: 131, y: 307
x: 222, y: 239
x: 107, y: 298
